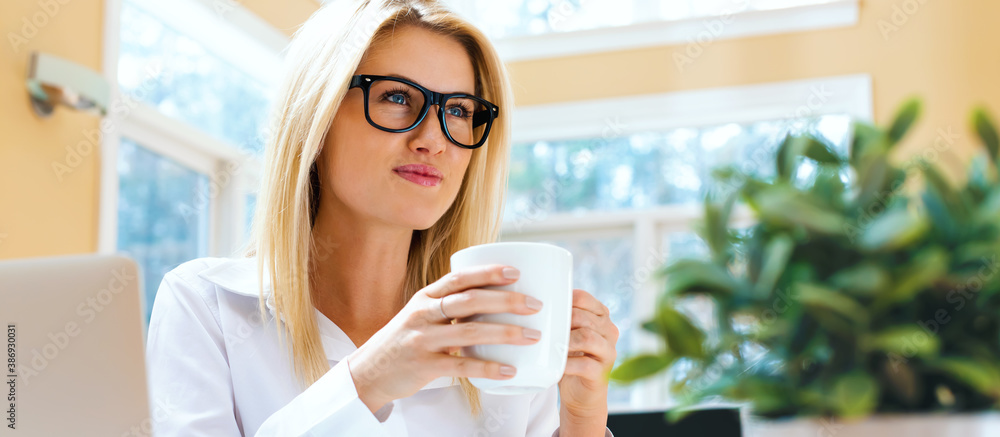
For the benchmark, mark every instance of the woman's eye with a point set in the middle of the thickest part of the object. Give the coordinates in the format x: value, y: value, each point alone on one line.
x: 398, y: 99
x: 458, y: 111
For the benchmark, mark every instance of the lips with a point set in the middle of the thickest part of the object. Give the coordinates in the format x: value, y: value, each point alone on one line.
x: 420, y: 174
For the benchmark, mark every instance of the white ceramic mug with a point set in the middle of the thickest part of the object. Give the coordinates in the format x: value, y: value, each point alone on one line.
x: 547, y: 275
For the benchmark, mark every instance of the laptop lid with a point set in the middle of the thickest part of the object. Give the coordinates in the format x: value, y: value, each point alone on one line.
x: 73, y: 347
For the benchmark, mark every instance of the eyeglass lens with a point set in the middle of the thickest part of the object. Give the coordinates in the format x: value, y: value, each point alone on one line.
x: 397, y: 105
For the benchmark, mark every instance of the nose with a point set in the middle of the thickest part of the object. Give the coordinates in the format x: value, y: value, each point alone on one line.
x: 428, y: 135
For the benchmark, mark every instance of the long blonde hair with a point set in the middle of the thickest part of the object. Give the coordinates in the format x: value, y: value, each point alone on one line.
x: 323, y: 55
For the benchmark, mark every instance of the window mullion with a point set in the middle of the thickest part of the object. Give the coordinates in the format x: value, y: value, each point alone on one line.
x: 647, y: 258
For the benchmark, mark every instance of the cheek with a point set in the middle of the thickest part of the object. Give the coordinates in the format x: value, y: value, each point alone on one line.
x: 462, y: 169
x: 350, y: 158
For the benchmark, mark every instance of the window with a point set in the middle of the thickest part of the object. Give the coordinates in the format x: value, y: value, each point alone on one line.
x: 159, y: 221
x: 620, y: 184
x: 535, y: 17
x: 189, y: 107
x: 525, y: 29
x: 193, y: 85
x: 644, y: 169
x: 251, y: 205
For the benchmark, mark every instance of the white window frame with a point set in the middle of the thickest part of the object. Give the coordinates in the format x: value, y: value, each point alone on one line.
x: 850, y: 95
x: 232, y: 173
x: 696, y: 31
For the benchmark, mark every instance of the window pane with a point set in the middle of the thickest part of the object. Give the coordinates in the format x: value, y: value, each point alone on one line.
x: 511, y: 18
x: 251, y: 205
x: 191, y: 84
x: 601, y: 266
x: 681, y: 245
x: 646, y: 169
x: 162, y: 213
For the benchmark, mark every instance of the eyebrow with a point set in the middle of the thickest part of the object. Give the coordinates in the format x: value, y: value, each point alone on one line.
x: 414, y: 81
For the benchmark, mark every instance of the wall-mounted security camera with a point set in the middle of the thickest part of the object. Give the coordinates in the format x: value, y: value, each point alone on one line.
x: 53, y: 81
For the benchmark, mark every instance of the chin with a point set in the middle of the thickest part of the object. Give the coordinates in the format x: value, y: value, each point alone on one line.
x: 419, y: 221
x: 425, y: 224
x: 419, y: 217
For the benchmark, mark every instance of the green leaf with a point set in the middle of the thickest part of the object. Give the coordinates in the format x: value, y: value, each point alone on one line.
x: 766, y: 394
x: 785, y: 206
x: 987, y: 131
x: 822, y: 299
x: 651, y: 327
x: 715, y: 227
x: 828, y: 185
x: 927, y: 266
x: 854, y: 395
x: 982, y: 177
x: 907, y: 114
x: 815, y: 149
x: 862, y: 279
x: 640, y: 366
x: 730, y: 177
x: 979, y: 375
x: 783, y: 165
x: 939, y: 203
x: 867, y: 141
x: 683, y: 338
x: 975, y: 252
x: 894, y: 229
x: 802, y: 146
x: 988, y: 211
x: 776, y: 255
x: 872, y: 178
x: 693, y: 276
x: 907, y: 340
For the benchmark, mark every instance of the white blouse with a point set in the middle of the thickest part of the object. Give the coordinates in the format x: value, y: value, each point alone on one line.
x: 216, y: 369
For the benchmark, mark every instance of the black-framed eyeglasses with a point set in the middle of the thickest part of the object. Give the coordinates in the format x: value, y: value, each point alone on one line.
x: 394, y: 104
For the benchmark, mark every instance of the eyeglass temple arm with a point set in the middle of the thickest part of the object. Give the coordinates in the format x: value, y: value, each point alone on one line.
x: 481, y: 117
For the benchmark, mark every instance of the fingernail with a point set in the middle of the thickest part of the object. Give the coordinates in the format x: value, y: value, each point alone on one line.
x: 533, y: 303
x: 507, y: 370
x: 533, y: 334
x: 511, y: 273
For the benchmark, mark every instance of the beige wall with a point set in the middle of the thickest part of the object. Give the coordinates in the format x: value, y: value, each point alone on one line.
x: 945, y: 52
x: 39, y: 215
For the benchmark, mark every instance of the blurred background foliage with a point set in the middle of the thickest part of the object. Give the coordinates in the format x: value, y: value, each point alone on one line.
x: 851, y: 294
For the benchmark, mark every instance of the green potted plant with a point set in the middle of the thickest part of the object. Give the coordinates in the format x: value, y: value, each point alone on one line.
x: 856, y: 304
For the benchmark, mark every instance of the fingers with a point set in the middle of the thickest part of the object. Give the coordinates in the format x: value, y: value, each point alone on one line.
x: 584, y: 300
x: 585, y: 319
x: 603, y: 325
x: 585, y: 367
x: 474, y: 368
x: 479, y: 301
x: 445, y: 337
x: 591, y: 342
x: 483, y: 276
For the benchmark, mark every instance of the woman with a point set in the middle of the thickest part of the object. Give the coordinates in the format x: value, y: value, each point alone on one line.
x: 388, y: 154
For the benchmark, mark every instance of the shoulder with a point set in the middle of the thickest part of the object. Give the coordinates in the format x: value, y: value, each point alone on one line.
x: 200, y: 282
x: 237, y: 275
x: 190, y: 271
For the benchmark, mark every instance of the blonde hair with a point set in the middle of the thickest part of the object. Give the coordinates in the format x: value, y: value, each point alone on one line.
x: 323, y: 55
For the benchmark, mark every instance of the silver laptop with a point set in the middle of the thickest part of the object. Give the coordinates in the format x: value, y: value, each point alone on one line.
x: 73, y: 347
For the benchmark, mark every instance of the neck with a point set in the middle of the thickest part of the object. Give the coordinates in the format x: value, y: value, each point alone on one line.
x: 358, y: 271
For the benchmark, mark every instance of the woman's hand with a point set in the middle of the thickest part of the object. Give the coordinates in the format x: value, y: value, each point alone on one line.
x: 414, y: 348
x: 583, y: 390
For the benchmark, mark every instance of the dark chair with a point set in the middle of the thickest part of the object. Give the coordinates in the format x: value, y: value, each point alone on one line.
x: 713, y: 422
